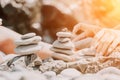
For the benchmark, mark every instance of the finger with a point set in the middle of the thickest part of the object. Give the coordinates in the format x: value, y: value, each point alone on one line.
x: 113, y: 45
x: 81, y: 26
x: 61, y: 57
x: 76, y: 28
x: 96, y: 39
x: 107, y: 44
x: 117, y: 27
x: 101, y: 42
x: 79, y: 37
x: 84, y: 43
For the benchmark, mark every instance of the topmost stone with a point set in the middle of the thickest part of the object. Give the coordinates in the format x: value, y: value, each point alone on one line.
x: 64, y: 34
x: 29, y: 35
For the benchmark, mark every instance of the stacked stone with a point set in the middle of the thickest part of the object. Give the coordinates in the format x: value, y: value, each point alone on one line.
x: 26, y: 47
x: 63, y: 44
x: 28, y: 44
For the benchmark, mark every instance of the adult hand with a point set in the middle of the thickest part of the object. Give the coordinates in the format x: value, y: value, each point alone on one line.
x: 105, y: 41
x: 88, y: 31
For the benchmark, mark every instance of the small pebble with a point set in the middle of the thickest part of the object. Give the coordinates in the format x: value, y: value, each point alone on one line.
x: 60, y: 77
x: 49, y: 74
x: 29, y: 35
x: 70, y: 72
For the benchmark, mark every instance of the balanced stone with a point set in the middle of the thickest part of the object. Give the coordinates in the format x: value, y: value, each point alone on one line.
x: 64, y: 34
x: 27, y: 49
x: 71, y: 72
x: 29, y: 35
x: 68, y: 45
x: 63, y: 40
x: 68, y: 52
x: 33, y: 40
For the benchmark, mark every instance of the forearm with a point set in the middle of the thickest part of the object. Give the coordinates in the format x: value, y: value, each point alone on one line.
x: 7, y: 38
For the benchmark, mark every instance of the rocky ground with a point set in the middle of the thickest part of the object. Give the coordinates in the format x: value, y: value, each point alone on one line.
x: 50, y: 69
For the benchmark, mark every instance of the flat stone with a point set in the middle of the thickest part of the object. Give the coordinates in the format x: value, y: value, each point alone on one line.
x: 27, y: 49
x: 33, y: 40
x: 68, y: 45
x: 49, y: 74
x: 29, y: 35
x: 60, y: 77
x: 1, y: 78
x: 70, y: 72
x: 68, y: 52
x: 63, y: 40
x: 109, y: 70
x: 64, y: 34
x: 90, y: 77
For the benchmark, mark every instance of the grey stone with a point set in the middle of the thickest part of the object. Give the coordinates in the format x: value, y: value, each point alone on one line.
x: 55, y: 66
x: 63, y: 40
x: 1, y: 78
x: 49, y: 74
x: 70, y: 72
x: 33, y: 40
x: 27, y: 49
x: 90, y: 77
x: 29, y: 35
x: 60, y: 77
x: 68, y: 45
x: 9, y: 57
x: 109, y: 70
x: 68, y: 52
x: 64, y: 34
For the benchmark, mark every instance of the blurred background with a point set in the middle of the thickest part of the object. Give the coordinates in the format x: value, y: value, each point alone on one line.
x: 46, y: 17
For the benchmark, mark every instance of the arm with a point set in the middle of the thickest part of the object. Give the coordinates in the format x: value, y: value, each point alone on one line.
x: 7, y: 38
x: 7, y: 45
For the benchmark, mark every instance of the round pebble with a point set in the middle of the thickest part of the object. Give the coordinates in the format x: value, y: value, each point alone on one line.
x: 90, y: 77
x: 60, y: 77
x: 29, y: 35
x: 1, y: 78
x: 70, y: 72
x: 49, y: 74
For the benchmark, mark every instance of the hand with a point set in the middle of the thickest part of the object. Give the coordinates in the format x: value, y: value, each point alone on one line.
x: 88, y: 31
x: 105, y: 41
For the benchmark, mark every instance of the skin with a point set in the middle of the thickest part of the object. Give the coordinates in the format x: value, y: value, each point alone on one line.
x: 99, y: 39
x: 7, y: 38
